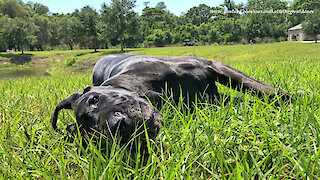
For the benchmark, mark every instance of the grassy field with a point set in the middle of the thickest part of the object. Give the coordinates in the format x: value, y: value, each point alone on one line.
x: 233, y: 141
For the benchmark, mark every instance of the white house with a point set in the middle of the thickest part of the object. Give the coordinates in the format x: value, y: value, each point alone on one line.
x: 296, y: 34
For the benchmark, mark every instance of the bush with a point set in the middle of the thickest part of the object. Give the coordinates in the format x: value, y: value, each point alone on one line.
x: 244, y: 41
x: 282, y: 39
x: 268, y: 40
x: 71, y: 61
x: 257, y: 40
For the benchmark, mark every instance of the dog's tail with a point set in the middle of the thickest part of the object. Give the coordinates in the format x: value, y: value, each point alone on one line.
x: 240, y: 81
x: 67, y: 103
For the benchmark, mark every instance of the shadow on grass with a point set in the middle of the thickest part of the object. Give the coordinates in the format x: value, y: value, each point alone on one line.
x: 118, y: 52
x: 81, y: 54
x: 106, y: 52
x: 18, y: 58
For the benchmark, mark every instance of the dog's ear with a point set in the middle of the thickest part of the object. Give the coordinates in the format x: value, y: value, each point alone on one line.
x: 67, y: 103
x: 87, y: 89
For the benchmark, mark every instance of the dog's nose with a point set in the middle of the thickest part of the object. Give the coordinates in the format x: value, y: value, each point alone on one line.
x: 115, y: 120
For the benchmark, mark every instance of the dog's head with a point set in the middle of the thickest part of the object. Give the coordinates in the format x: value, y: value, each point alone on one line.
x: 111, y: 111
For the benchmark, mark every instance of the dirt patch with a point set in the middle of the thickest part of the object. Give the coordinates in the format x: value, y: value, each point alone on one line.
x: 86, y: 65
x: 39, y: 59
x: 4, y: 61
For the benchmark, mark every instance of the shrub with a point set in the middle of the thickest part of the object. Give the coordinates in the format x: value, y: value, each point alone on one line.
x: 244, y: 41
x: 268, y: 40
x: 71, y: 61
x: 257, y: 40
x: 282, y: 39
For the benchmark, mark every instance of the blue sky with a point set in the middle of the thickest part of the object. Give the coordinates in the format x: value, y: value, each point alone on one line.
x: 174, y: 6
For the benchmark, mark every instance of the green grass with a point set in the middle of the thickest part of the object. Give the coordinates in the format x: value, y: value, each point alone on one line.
x: 233, y: 141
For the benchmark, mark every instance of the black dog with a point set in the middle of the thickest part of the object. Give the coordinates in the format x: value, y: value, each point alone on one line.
x: 123, y: 84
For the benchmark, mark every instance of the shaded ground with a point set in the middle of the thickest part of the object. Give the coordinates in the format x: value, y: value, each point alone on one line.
x: 15, y: 58
x: 26, y: 72
x: 19, y: 59
x: 51, y: 62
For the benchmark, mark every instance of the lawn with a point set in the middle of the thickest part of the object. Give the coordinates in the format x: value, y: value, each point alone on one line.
x: 243, y: 140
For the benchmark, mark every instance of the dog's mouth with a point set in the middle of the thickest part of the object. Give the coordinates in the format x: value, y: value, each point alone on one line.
x: 119, y: 126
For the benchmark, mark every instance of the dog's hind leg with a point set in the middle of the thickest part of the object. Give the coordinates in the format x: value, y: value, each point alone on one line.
x: 240, y: 81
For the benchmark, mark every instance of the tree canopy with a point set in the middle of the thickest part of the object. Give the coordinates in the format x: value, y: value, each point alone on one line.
x: 311, y: 25
x: 120, y: 21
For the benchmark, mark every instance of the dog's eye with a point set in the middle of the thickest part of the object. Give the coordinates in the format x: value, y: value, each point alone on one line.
x: 94, y: 100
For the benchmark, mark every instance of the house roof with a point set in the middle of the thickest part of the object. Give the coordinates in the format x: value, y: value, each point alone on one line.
x: 297, y: 27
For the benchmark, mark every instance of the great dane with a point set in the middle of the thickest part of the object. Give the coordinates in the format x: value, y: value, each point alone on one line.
x: 124, y: 86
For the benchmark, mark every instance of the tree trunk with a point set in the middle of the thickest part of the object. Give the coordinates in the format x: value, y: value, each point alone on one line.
x: 121, y: 40
x: 316, y: 39
x: 70, y: 46
x: 95, y: 44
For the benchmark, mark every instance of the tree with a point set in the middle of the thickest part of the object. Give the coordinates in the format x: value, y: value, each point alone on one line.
x: 68, y: 30
x: 264, y: 25
x: 38, y: 8
x: 63, y: 30
x: 187, y: 32
x: 12, y: 8
x: 18, y: 33
x: 55, y: 29
x: 42, y: 32
x: 199, y: 14
x: 3, y: 21
x: 229, y: 4
x: 156, y: 16
x: 120, y: 21
x: 161, y: 5
x: 311, y: 24
x: 146, y: 4
x: 297, y: 18
x: 207, y: 34
x: 87, y: 29
x: 229, y: 28
x: 159, y: 38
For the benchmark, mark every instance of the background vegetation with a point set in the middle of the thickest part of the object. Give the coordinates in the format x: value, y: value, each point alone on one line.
x: 244, y: 140
x: 31, y: 25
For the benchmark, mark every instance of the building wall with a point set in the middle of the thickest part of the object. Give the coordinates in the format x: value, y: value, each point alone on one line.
x: 297, y: 35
